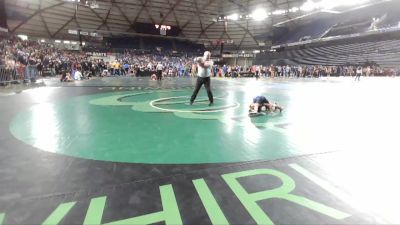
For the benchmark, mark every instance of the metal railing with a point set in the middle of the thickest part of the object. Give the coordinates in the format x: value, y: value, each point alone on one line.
x: 8, y: 75
x: 18, y: 74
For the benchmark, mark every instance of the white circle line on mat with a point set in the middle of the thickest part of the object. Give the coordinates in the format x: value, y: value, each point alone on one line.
x: 233, y: 106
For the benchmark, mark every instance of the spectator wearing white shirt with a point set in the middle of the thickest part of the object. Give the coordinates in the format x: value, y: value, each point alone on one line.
x: 77, y: 75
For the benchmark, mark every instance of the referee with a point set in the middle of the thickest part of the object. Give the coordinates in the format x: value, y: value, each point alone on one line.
x: 159, y: 69
x: 203, y: 77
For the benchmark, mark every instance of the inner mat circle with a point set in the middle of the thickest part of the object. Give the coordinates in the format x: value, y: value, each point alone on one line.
x: 179, y: 104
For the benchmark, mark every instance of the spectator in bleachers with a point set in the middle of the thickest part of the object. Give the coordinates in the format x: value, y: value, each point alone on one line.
x: 77, y: 75
x: 31, y: 58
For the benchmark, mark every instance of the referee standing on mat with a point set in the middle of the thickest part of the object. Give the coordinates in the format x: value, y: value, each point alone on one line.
x: 159, y: 69
x: 203, y: 76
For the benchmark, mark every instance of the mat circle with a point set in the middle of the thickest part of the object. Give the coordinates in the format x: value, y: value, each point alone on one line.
x: 155, y: 105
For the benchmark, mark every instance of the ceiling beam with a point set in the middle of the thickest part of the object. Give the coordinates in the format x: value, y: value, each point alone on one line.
x: 245, y: 34
x: 175, y: 17
x: 114, y: 3
x: 102, y: 20
x: 241, y: 42
x: 140, y: 12
x: 63, y: 26
x: 105, y: 20
x: 147, y: 10
x: 34, y: 14
x: 242, y: 8
x: 171, y: 10
x: 43, y: 21
x: 200, y: 11
x: 247, y: 31
x: 206, y: 28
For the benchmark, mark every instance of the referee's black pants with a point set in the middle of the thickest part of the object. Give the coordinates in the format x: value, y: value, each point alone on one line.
x: 200, y: 81
x: 159, y: 74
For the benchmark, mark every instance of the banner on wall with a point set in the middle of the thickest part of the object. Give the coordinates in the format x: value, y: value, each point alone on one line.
x: 98, y: 54
x: 240, y: 55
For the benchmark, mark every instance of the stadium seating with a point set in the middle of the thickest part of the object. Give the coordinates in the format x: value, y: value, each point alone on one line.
x: 384, y: 53
x: 313, y: 30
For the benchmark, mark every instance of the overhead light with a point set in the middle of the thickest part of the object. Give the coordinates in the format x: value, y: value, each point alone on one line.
x: 83, y: 43
x: 23, y: 37
x: 279, y: 12
x: 329, y: 4
x: 94, y: 6
x: 74, y: 43
x: 67, y: 42
x: 73, y: 32
x: 234, y: 16
x: 330, y: 11
x: 308, y: 6
x: 256, y: 51
x: 42, y: 40
x: 221, y: 19
x: 57, y: 41
x: 294, y: 9
x: 259, y: 14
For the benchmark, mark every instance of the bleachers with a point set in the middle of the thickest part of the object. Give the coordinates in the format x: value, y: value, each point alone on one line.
x: 347, y: 22
x: 313, y: 30
x: 385, y: 53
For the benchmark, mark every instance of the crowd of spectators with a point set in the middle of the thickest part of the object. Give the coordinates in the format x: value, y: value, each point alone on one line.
x: 145, y: 62
x: 28, y: 59
x: 307, y: 70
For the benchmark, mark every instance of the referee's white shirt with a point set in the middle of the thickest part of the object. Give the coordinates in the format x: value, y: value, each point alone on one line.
x: 205, y: 72
x: 160, y: 66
